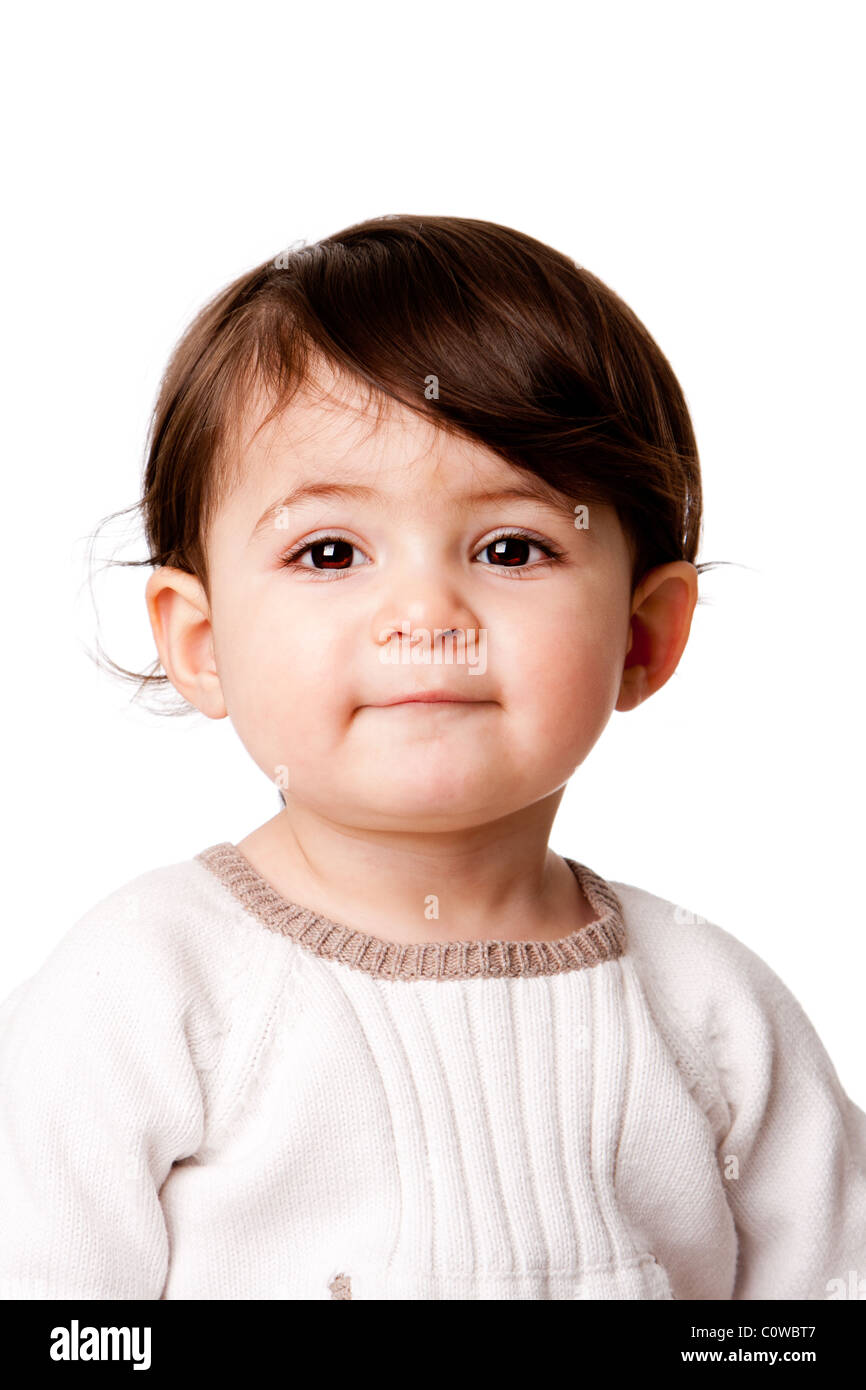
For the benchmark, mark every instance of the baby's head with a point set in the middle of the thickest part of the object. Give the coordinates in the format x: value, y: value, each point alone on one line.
x: 422, y: 456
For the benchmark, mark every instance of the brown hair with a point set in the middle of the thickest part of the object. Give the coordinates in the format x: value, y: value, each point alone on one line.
x: 536, y: 359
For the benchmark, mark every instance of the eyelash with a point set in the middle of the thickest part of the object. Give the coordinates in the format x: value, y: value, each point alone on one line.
x: 289, y: 560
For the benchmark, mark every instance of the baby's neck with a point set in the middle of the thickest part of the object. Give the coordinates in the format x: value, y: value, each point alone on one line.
x: 507, y: 891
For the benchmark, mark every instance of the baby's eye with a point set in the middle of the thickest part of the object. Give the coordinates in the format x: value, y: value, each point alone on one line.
x: 511, y: 551
x: 329, y: 553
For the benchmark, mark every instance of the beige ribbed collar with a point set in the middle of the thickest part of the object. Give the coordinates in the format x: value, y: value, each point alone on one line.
x: 601, y: 940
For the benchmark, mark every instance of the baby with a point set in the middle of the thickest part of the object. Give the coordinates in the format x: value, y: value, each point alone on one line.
x: 422, y: 504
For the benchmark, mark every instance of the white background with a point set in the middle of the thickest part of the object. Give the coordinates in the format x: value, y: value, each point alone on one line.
x: 705, y: 161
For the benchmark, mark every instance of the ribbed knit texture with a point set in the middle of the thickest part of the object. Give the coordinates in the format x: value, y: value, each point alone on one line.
x: 211, y: 1093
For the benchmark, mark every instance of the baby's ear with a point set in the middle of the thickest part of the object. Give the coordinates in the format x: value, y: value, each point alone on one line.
x: 179, y: 615
x: 661, y: 618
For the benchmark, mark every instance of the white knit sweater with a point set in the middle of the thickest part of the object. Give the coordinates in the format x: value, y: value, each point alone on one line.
x: 209, y: 1092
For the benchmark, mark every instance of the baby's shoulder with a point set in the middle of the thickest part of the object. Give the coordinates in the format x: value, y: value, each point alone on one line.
x: 157, y: 985
x: 696, y: 970
x: 166, y: 937
x: 164, y: 915
x: 658, y: 930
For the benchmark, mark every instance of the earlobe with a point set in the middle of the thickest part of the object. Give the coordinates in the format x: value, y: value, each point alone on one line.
x: 179, y: 616
x: 633, y: 688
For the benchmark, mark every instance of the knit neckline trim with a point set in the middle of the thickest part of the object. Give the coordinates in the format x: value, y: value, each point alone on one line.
x: 601, y: 940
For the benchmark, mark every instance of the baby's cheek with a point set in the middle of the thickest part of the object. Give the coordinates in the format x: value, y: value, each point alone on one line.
x: 573, y: 699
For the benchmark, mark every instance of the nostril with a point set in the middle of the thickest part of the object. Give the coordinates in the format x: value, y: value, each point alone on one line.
x: 341, y: 1286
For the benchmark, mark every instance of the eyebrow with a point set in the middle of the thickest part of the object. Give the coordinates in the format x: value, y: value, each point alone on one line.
x: 533, y: 490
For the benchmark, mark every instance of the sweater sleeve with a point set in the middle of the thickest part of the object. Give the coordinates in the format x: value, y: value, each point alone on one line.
x: 793, y: 1157
x: 100, y: 1096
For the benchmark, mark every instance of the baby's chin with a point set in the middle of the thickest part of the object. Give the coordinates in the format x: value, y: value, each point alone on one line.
x: 437, y: 800
x: 413, y: 819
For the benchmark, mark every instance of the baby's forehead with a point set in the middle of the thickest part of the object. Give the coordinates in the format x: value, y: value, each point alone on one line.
x: 326, y: 439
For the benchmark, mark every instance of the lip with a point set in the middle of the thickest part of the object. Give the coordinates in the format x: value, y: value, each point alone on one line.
x: 429, y: 697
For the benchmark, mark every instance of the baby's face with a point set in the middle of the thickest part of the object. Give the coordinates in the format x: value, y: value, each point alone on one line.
x: 308, y: 672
